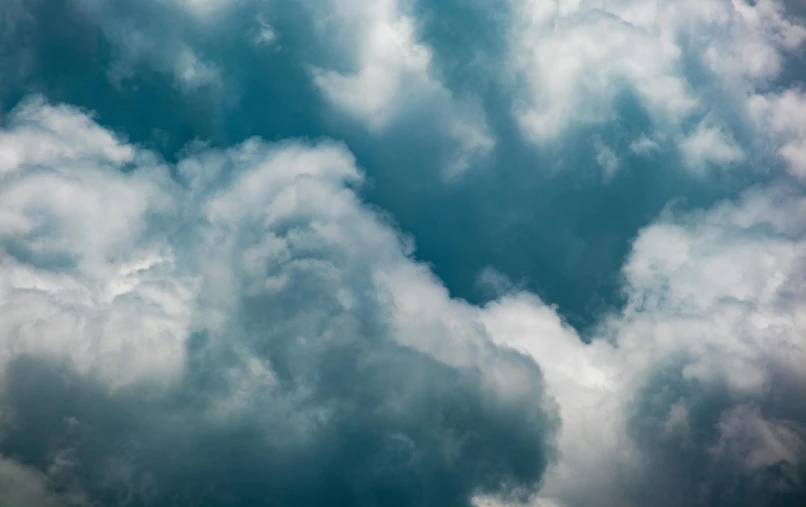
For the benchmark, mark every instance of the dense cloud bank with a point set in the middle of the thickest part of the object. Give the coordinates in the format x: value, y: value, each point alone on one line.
x: 210, y: 292
x: 245, y: 332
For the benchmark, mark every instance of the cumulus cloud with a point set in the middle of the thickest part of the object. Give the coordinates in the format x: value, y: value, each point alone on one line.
x: 237, y: 326
x: 708, y: 145
x: 685, y: 62
x: 74, y: 234
x: 690, y: 395
x: 393, y: 73
x: 249, y: 329
x: 391, y: 63
x: 575, y: 60
x: 780, y: 114
x: 246, y: 330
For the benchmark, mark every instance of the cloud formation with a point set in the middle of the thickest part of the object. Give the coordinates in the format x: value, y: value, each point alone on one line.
x: 247, y: 330
x: 394, y: 72
x: 689, y: 395
x: 210, y: 292
x: 576, y: 61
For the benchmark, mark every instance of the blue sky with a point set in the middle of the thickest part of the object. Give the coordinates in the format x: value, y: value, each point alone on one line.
x: 400, y: 253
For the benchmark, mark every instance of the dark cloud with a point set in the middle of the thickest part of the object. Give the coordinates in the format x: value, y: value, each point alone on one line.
x: 400, y: 430
x: 710, y: 447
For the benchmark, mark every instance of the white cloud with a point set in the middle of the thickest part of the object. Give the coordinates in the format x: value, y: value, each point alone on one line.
x: 587, y: 383
x: 267, y: 36
x: 391, y: 64
x: 712, y: 288
x: 80, y: 277
x: 193, y: 73
x: 716, y: 296
x: 108, y: 261
x: 644, y: 145
x: 204, y: 8
x: 606, y: 158
x: 106, y: 268
x: 576, y: 58
x: 766, y: 19
x: 36, y: 135
x: 393, y: 73
x: 781, y: 114
x: 709, y: 145
x: 257, y: 267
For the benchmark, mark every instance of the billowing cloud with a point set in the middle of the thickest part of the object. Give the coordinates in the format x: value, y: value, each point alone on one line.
x: 393, y: 73
x: 391, y: 63
x: 687, y: 63
x: 688, y: 396
x: 77, y: 251
x: 206, y: 298
x: 780, y: 114
x: 245, y: 330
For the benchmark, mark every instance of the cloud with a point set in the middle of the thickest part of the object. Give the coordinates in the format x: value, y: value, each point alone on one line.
x: 205, y: 7
x: 159, y: 40
x: 73, y: 231
x: 364, y: 59
x: 246, y: 329
x: 236, y: 325
x: 266, y: 36
x: 574, y: 61
x: 709, y: 145
x: 21, y: 485
x: 685, y: 62
x: 393, y: 73
x: 689, y: 395
x: 391, y: 63
x: 780, y: 114
x: 606, y: 158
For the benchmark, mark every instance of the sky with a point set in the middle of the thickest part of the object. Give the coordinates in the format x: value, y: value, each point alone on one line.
x: 399, y: 253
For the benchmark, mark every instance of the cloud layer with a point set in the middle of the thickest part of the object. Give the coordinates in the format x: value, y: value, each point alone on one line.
x: 210, y: 292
